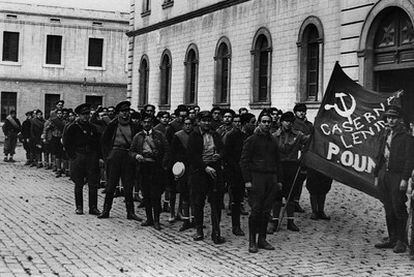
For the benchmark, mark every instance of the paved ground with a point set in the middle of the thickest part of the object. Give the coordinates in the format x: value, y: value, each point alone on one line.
x: 41, y: 236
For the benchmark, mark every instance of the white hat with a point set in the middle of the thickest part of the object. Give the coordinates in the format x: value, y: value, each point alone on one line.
x: 178, y: 169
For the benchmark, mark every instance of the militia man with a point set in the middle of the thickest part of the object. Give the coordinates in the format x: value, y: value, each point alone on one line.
x: 81, y: 142
x: 394, y: 164
x: 116, y: 141
x: 260, y: 165
x: 206, y: 179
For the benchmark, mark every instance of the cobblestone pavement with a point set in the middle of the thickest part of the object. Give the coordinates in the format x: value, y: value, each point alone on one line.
x: 41, y: 236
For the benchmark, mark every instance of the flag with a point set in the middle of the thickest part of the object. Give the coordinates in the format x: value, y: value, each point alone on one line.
x: 348, y: 125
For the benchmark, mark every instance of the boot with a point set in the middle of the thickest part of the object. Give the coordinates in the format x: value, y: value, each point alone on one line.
x: 199, y: 233
x: 133, y: 216
x: 235, y: 219
x: 130, y: 212
x: 157, y: 225
x: 104, y: 214
x: 92, y: 196
x: 107, y: 206
x: 261, y: 241
x: 290, y: 208
x: 215, y: 221
x: 79, y: 210
x: 252, y: 237
x: 292, y: 226
x: 385, y: 244
x: 94, y: 211
x: 314, y: 205
x: 79, y: 199
x: 148, y: 211
x: 321, y: 207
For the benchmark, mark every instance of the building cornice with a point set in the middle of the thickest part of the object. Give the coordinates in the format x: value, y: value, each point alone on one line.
x: 66, y: 82
x: 112, y: 20
x: 184, y: 17
x: 25, y: 22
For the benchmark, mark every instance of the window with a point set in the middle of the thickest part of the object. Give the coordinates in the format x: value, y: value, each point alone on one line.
x: 222, y: 75
x: 94, y: 101
x: 54, y: 49
x: 310, y: 46
x: 8, y: 103
x: 146, y: 7
x: 95, y: 52
x: 167, y: 4
x: 50, y: 103
x: 262, y: 54
x: 165, y: 78
x: 10, y: 46
x: 191, y: 75
x: 312, y: 63
x: 143, y: 82
x: 97, y: 24
x: 55, y: 20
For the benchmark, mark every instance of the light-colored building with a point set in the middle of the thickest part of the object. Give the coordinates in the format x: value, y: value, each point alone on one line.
x: 50, y: 53
x: 261, y: 53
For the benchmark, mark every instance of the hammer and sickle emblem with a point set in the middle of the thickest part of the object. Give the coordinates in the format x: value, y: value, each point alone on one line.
x: 345, y: 112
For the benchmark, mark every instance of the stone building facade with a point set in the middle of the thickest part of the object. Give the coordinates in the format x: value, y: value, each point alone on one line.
x: 260, y: 53
x: 50, y: 53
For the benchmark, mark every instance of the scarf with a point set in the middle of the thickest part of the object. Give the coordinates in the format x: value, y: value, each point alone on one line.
x: 13, y: 122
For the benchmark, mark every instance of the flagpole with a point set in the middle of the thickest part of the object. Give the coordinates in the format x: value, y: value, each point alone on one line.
x: 288, y: 198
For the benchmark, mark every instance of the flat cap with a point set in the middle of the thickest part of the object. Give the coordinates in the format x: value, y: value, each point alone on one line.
x: 300, y: 107
x: 287, y: 116
x: 204, y: 114
x: 122, y: 106
x: 83, y: 108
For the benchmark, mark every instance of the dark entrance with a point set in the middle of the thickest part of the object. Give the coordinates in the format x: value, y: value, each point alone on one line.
x: 394, y: 80
x: 50, y: 103
x: 94, y: 101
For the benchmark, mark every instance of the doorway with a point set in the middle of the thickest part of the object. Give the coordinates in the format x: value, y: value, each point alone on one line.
x: 394, y: 80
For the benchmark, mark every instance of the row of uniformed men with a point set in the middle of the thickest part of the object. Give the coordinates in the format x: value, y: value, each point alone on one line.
x: 216, y: 152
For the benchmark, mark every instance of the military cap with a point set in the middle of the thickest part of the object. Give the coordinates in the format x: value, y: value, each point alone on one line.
x: 393, y: 111
x: 287, y: 116
x: 123, y: 105
x: 83, y: 108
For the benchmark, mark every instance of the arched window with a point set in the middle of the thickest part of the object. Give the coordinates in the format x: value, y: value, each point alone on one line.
x: 310, y: 45
x: 222, y: 72
x: 191, y: 75
x: 143, y: 81
x: 165, y: 85
x: 262, y: 61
